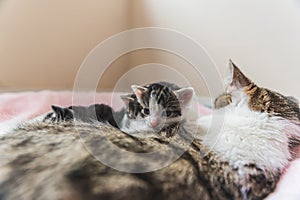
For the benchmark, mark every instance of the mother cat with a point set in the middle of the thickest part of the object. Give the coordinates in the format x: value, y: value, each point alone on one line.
x: 48, y: 161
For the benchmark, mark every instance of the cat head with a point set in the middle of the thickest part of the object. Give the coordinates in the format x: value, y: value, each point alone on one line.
x: 241, y: 91
x: 262, y: 126
x: 59, y: 114
x: 159, y: 105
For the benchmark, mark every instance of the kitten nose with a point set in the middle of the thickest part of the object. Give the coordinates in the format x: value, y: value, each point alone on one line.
x: 154, y: 122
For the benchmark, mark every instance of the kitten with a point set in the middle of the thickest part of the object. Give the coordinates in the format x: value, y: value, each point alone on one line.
x: 158, y: 107
x: 151, y: 108
x: 96, y: 112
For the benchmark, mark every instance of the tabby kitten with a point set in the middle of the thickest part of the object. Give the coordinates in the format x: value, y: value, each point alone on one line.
x: 151, y: 108
x: 158, y: 107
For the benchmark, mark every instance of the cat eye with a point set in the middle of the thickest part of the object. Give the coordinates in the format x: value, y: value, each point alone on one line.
x: 146, y: 111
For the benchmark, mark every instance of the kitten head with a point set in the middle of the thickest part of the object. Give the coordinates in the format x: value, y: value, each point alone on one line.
x: 158, y: 105
x: 59, y: 114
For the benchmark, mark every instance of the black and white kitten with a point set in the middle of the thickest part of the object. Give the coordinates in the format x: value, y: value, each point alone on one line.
x: 150, y: 108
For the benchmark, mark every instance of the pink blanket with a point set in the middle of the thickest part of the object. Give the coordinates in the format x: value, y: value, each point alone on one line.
x: 19, y: 107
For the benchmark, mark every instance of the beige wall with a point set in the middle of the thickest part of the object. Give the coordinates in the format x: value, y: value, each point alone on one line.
x: 44, y: 42
x: 262, y: 37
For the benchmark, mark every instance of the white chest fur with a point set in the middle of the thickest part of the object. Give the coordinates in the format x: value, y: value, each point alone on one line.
x: 247, y: 137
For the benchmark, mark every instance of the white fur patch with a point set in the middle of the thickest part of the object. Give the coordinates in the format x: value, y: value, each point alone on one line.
x: 136, y: 127
x: 247, y: 137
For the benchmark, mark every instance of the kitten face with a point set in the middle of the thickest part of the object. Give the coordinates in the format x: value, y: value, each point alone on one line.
x: 157, y: 105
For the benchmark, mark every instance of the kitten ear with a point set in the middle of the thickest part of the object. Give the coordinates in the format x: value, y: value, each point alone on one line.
x: 138, y: 91
x: 126, y: 99
x: 185, y: 95
x: 62, y: 113
x: 56, y: 109
x: 235, y: 78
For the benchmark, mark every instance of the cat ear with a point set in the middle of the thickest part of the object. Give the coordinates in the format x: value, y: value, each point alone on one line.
x: 235, y: 78
x: 126, y: 98
x: 185, y: 95
x: 138, y: 91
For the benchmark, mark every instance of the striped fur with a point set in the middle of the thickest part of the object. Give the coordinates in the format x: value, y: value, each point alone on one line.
x: 49, y: 162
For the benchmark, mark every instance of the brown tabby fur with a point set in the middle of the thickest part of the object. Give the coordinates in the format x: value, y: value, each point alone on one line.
x: 48, y: 161
x: 222, y: 100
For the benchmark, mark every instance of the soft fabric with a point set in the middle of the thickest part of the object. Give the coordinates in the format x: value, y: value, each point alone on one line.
x: 20, y: 107
x: 16, y: 108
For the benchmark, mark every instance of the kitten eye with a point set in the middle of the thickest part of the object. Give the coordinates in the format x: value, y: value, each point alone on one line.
x: 146, y: 111
x: 168, y: 113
